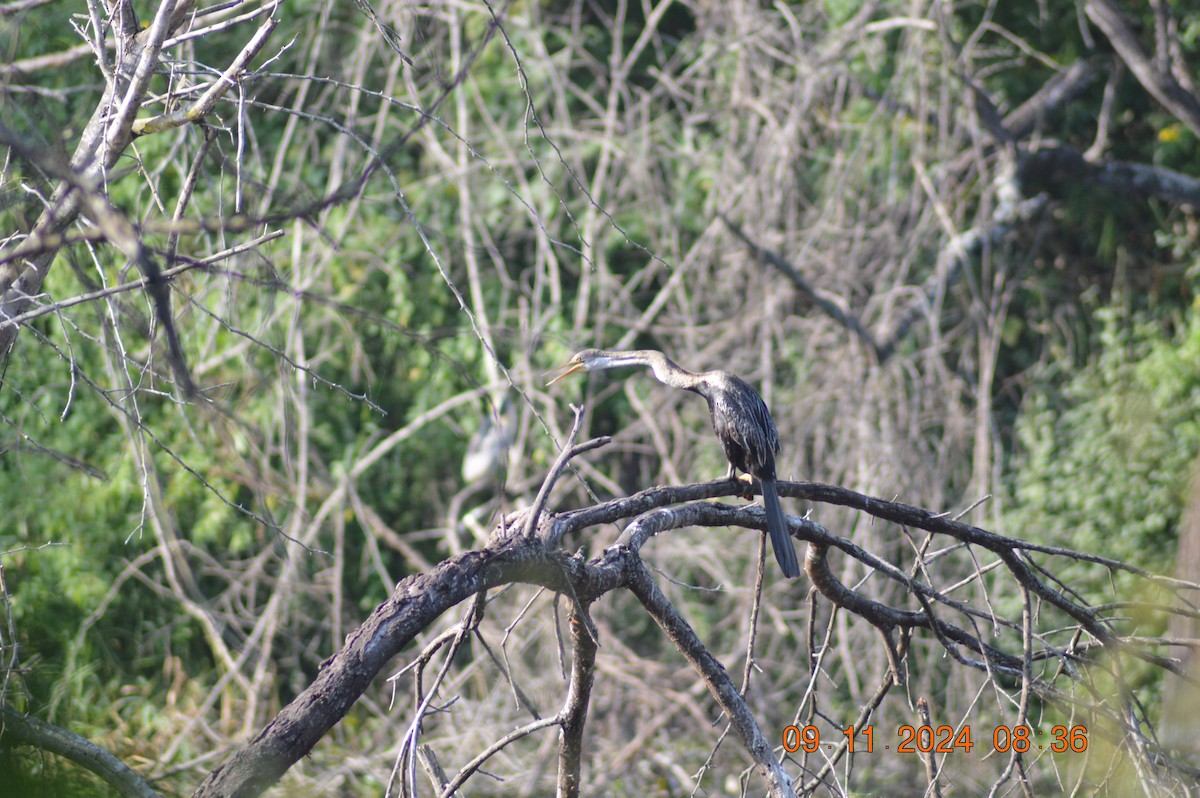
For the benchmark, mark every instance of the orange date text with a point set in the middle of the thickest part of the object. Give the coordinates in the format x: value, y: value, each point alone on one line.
x: 941, y: 739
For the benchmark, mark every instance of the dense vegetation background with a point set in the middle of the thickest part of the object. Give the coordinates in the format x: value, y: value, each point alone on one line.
x: 954, y: 244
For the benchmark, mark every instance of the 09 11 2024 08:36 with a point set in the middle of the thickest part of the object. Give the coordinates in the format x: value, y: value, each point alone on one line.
x: 942, y: 739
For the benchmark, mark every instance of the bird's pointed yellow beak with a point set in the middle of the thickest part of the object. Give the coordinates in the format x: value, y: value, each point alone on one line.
x: 567, y: 370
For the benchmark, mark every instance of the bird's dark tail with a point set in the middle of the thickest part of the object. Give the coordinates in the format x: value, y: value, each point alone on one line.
x: 781, y: 541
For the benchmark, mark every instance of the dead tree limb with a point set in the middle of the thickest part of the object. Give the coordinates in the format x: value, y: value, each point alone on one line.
x: 19, y: 729
x: 573, y: 716
x: 1159, y: 82
x: 421, y: 598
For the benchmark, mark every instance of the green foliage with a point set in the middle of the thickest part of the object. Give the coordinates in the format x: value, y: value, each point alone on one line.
x: 354, y: 292
x: 34, y: 776
x: 1106, y: 450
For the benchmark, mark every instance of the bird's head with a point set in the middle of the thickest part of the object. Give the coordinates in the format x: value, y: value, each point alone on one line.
x: 585, y: 360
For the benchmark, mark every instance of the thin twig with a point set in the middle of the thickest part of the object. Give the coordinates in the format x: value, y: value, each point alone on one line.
x: 569, y: 451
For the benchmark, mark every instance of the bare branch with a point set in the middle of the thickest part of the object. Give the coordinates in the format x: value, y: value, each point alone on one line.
x: 564, y: 457
x: 930, y: 759
x: 720, y: 686
x: 475, y: 764
x: 1109, y: 18
x: 573, y: 716
x: 121, y: 233
x: 204, y: 105
x: 27, y: 730
x: 827, y: 305
x: 1065, y: 164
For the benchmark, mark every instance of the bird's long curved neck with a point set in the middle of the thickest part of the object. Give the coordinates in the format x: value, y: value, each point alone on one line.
x: 665, y: 370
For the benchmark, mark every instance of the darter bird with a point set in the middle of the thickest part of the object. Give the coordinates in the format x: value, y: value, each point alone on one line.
x: 740, y: 419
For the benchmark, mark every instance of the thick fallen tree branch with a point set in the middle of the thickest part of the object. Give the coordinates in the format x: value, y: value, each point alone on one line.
x: 514, y: 556
x: 976, y: 637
